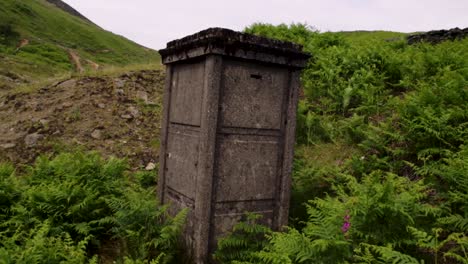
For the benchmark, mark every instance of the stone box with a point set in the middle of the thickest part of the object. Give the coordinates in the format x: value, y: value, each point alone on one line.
x: 228, y: 128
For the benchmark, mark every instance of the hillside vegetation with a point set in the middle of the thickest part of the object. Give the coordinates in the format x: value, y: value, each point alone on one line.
x: 79, y: 208
x: 39, y: 41
x: 381, y: 167
x: 380, y: 170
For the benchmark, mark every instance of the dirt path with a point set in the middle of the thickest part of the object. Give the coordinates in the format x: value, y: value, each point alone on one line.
x: 21, y: 44
x: 93, y: 65
x: 76, y: 61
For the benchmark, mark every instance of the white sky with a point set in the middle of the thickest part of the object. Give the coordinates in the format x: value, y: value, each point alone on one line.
x: 155, y: 22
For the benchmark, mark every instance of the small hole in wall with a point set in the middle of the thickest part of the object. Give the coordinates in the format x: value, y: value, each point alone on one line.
x: 256, y: 76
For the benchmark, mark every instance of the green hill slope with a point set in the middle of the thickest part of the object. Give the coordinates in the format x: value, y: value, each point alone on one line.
x: 381, y: 153
x: 363, y: 36
x: 38, y: 40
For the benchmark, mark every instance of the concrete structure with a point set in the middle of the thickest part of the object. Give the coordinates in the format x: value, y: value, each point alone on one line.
x: 228, y: 131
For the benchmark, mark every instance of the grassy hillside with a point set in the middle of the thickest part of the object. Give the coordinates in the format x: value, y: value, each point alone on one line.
x: 51, y: 35
x: 365, y: 36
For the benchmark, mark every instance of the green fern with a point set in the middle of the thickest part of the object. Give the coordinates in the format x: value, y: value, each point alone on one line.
x: 10, y: 191
x: 457, y: 244
x: 37, y: 246
x: 454, y: 222
x: 241, y: 245
x: 86, y: 202
x: 367, y: 253
x: 458, y: 252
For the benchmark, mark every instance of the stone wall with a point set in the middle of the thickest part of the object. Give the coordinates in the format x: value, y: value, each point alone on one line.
x: 437, y: 36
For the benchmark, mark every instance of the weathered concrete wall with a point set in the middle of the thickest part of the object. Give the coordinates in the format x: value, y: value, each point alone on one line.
x: 437, y: 36
x: 228, y: 131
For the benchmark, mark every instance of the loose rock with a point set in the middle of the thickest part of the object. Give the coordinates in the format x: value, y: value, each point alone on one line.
x: 96, y: 134
x: 120, y: 92
x: 133, y: 111
x: 8, y: 145
x: 126, y: 116
x: 119, y: 83
x: 44, y: 122
x: 32, y: 139
x: 67, y: 104
x: 150, y: 166
x: 142, y: 95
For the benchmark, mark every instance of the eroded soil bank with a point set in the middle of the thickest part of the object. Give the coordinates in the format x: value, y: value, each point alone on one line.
x: 117, y: 116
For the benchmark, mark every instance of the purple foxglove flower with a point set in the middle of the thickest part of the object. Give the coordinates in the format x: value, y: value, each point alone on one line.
x: 345, y: 227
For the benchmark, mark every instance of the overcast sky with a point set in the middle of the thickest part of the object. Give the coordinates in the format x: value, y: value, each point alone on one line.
x: 155, y: 22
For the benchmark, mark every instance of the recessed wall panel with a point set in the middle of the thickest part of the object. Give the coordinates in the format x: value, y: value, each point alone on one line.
x: 181, y: 162
x: 187, y: 93
x: 252, y: 95
x: 248, y: 168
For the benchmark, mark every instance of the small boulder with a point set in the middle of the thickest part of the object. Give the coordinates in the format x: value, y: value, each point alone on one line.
x: 32, y: 139
x: 67, y: 104
x: 119, y: 83
x: 8, y: 145
x: 68, y: 84
x: 150, y: 166
x: 44, y: 122
x: 133, y: 111
x: 120, y: 92
x: 96, y: 134
x: 126, y: 116
x: 142, y: 95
